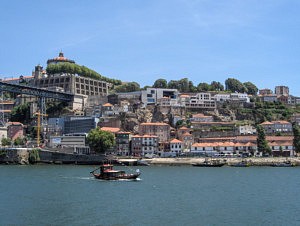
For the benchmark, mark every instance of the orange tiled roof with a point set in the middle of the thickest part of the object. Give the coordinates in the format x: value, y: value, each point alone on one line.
x: 107, y: 105
x: 15, y: 79
x: 183, y: 128
x: 184, y: 95
x: 111, y: 129
x: 15, y: 123
x: 145, y: 136
x: 198, y: 115
x: 121, y: 132
x: 175, y: 141
x: 203, y: 145
x: 217, y: 123
x: 154, y: 124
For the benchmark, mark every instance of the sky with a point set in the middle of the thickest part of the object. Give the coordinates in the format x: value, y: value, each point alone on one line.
x: 142, y: 41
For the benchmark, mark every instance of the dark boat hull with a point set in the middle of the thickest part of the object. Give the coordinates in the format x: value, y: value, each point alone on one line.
x: 133, y: 176
x: 208, y: 165
x: 241, y: 164
x: 282, y: 165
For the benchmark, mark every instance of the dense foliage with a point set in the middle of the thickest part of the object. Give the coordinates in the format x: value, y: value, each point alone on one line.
x: 34, y: 156
x: 184, y: 85
x: 160, y: 83
x: 20, y: 113
x: 234, y: 85
x: 19, y: 141
x: 5, y: 141
x: 127, y: 87
x: 80, y: 70
x: 262, y: 144
x: 296, y: 141
x: 100, y: 141
x: 251, y: 88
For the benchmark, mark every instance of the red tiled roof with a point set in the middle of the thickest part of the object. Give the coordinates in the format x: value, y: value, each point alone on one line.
x: 15, y: 123
x: 15, y: 79
x: 154, y: 124
x: 107, y: 105
x: 207, y: 123
x: 175, y: 141
x: 275, y: 122
x: 183, y: 128
x: 111, y: 129
x: 198, y: 115
x: 184, y: 95
x: 145, y: 136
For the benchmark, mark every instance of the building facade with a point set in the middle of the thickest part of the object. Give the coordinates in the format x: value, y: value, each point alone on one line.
x: 282, y: 91
x: 145, y: 145
x: 161, y: 130
x: 277, y: 127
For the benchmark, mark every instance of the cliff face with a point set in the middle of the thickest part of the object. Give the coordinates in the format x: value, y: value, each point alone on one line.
x: 130, y: 121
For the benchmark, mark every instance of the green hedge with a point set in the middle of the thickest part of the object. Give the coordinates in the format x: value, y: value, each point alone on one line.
x: 80, y: 70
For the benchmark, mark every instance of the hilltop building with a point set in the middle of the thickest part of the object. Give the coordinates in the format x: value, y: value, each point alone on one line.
x: 81, y: 87
x: 282, y: 91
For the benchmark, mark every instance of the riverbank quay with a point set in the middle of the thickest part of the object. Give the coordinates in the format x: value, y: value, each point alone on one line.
x: 26, y: 156
x: 254, y: 161
x: 41, y: 156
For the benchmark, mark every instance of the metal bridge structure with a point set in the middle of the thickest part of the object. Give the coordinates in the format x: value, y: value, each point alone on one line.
x: 42, y: 94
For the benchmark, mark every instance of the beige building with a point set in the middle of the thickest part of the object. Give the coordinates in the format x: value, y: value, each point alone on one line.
x: 70, y: 83
x: 162, y: 130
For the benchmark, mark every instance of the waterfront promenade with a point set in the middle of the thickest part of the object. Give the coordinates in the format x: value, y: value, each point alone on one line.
x: 255, y: 161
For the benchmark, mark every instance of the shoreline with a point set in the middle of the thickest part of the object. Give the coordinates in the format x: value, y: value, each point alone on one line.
x: 255, y: 161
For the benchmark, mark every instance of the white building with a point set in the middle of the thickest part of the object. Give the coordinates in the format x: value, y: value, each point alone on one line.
x: 240, y: 97
x: 222, y: 97
x: 246, y: 130
x: 152, y: 95
x: 176, y: 147
x: 201, y: 100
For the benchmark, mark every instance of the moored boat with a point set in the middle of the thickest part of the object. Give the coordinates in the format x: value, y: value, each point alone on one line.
x: 286, y: 163
x: 210, y: 163
x: 108, y: 173
x: 243, y: 163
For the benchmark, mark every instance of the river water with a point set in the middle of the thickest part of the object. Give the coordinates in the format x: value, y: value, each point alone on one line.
x: 165, y: 195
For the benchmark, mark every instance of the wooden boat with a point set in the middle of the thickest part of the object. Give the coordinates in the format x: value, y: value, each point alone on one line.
x: 243, y: 163
x: 108, y: 173
x: 210, y: 163
x: 286, y: 163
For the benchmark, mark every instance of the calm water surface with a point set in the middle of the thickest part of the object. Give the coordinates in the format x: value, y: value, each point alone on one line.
x: 165, y: 195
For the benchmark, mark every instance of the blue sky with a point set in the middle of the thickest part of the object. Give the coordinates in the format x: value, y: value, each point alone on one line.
x: 133, y: 40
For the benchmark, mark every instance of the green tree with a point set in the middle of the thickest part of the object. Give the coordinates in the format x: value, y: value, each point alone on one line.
x: 262, y: 144
x: 5, y: 141
x: 216, y: 86
x: 20, y: 113
x: 173, y: 84
x: 100, y: 141
x: 296, y: 141
x: 251, y: 88
x: 71, y: 68
x: 192, y: 88
x: 128, y: 87
x: 183, y: 85
x: 34, y: 156
x: 234, y: 85
x: 19, y: 141
x: 203, y: 87
x: 160, y: 83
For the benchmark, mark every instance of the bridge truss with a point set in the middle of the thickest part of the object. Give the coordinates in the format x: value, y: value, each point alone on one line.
x: 42, y: 94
